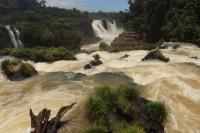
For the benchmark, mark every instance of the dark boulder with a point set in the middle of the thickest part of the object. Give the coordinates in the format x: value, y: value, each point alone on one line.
x: 96, y: 62
x: 87, y: 66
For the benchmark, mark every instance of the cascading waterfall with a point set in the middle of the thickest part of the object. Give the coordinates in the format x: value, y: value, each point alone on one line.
x: 18, y: 39
x: 107, y: 33
x: 15, y: 40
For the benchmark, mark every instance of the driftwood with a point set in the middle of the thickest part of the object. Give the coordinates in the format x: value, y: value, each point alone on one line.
x: 42, y: 124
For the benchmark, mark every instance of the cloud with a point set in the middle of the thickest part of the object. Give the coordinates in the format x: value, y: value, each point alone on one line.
x: 80, y: 4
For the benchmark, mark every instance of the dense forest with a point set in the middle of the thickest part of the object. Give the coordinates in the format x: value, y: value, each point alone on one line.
x: 169, y: 20
x: 45, y: 26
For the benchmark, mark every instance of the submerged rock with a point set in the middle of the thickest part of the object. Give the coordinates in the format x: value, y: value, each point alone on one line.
x: 96, y: 62
x: 65, y: 76
x: 125, y: 56
x: 87, y: 66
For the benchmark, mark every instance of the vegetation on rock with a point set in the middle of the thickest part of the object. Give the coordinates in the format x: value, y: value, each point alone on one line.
x: 27, y: 70
x: 133, y: 128
x: 6, y: 66
x: 126, y: 105
x: 157, y: 111
x: 156, y: 55
x: 16, y: 70
x: 40, y: 54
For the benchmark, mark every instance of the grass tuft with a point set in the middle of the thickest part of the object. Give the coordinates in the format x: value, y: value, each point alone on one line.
x: 157, y: 111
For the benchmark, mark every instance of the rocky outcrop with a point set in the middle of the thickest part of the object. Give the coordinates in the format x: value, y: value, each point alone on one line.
x: 130, y: 41
x: 16, y: 70
x: 95, y: 62
x: 156, y: 55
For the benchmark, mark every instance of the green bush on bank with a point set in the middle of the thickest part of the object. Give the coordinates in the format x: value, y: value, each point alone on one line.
x: 8, y: 62
x: 157, y: 111
x: 124, y: 102
x: 40, y: 54
x: 27, y: 70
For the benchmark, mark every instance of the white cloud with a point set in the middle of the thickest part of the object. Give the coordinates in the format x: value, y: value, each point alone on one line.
x: 80, y: 4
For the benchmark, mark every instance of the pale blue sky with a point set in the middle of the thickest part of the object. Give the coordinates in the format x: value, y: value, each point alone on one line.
x: 91, y: 5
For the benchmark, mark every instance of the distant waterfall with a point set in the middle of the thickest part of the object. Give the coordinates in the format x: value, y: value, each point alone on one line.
x: 14, y: 38
x: 106, y: 30
x: 18, y: 39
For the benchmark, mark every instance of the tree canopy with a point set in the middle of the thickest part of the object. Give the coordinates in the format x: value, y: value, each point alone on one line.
x: 171, y: 20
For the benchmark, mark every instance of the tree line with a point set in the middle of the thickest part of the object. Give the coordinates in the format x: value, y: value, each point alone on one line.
x: 44, y: 26
x: 169, y: 20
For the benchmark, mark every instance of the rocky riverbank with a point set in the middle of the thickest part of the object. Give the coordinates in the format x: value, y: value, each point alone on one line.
x: 131, y: 41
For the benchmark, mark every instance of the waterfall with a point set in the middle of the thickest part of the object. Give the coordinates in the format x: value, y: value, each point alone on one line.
x: 107, y: 33
x: 14, y: 39
x: 20, y: 44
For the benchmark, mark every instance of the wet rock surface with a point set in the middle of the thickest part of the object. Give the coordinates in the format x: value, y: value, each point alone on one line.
x: 130, y: 41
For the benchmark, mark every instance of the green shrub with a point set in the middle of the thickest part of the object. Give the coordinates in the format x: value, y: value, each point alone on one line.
x: 97, y: 108
x: 156, y: 111
x: 7, y: 62
x: 130, y: 91
x: 40, y: 54
x: 103, y: 103
x: 27, y: 70
x: 106, y: 93
x: 98, y: 127
x: 155, y: 55
x: 126, y: 128
x: 123, y: 105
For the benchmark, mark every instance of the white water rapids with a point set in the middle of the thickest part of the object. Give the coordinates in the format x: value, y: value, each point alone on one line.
x: 175, y: 83
x: 107, y: 30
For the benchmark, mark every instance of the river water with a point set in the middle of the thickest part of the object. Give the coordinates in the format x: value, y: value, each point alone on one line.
x: 175, y: 83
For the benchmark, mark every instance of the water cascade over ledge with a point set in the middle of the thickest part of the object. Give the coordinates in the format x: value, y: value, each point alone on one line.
x: 14, y: 38
x: 107, y: 30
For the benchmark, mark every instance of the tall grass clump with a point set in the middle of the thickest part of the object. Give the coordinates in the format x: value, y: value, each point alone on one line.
x: 157, y: 111
x: 130, y: 128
